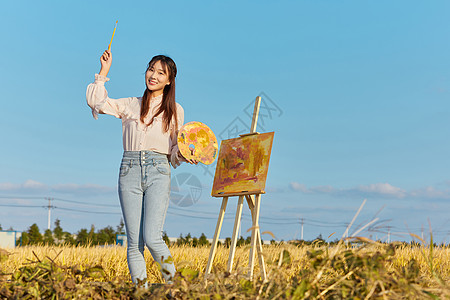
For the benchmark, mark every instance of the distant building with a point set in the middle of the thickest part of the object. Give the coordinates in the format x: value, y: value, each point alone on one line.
x: 10, y: 238
x: 121, y: 239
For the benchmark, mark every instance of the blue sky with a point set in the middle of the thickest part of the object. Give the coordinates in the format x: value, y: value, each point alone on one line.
x: 356, y: 92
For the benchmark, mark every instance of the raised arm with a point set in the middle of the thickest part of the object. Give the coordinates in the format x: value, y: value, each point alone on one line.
x: 97, y: 96
x: 105, y: 61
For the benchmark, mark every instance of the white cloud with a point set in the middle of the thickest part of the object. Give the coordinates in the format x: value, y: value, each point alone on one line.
x: 274, y: 189
x: 33, y: 186
x: 298, y: 187
x: 27, y: 186
x: 7, y: 186
x: 384, y: 190
x: 83, y: 189
x: 431, y: 192
x: 322, y: 189
x: 325, y: 189
x: 24, y: 201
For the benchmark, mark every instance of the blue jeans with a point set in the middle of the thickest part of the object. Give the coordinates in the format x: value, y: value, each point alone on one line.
x: 144, y: 190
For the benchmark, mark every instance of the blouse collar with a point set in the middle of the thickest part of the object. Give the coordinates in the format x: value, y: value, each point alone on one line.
x: 157, y: 98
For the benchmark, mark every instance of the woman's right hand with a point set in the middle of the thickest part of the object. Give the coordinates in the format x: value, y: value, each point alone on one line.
x: 105, y: 61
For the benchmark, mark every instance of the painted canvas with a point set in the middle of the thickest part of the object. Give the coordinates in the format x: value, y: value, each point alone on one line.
x: 242, y: 165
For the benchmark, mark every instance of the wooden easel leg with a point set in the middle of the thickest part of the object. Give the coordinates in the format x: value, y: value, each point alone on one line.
x: 216, y: 235
x: 262, y: 266
x: 237, y: 224
x: 255, y: 231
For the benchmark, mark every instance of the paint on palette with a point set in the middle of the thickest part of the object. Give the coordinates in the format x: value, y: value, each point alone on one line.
x: 197, y: 141
x: 242, y: 165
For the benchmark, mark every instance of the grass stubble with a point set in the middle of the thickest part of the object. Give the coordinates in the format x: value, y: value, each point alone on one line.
x: 362, y: 269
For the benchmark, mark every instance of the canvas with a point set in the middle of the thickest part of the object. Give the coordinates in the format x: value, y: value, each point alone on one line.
x: 242, y: 165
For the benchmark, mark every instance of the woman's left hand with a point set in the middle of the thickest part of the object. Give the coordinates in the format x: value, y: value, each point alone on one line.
x: 191, y: 161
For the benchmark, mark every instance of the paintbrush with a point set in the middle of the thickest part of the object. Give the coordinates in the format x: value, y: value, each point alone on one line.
x: 109, y: 47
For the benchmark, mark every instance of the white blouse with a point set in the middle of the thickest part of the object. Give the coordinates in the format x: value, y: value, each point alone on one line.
x: 137, y: 136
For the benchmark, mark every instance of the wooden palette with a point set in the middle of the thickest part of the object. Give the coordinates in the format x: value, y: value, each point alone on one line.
x: 197, y: 141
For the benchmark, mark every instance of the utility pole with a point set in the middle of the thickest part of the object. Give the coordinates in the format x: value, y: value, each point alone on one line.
x: 302, y: 229
x: 49, y: 211
x: 422, y: 231
x: 389, y: 235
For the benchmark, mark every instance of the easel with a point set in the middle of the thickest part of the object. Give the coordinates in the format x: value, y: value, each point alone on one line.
x: 253, y: 201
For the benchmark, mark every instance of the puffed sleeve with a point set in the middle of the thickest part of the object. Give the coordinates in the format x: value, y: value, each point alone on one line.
x: 98, y: 100
x: 176, y: 159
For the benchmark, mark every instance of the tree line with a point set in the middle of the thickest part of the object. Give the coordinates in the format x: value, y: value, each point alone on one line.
x: 105, y: 236
x: 83, y: 237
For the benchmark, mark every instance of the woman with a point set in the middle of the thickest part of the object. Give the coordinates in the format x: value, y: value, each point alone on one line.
x: 150, y: 125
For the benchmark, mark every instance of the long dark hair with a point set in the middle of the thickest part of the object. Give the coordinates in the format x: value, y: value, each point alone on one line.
x: 168, y: 106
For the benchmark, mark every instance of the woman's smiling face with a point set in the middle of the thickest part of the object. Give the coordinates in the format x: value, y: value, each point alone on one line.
x: 156, y: 78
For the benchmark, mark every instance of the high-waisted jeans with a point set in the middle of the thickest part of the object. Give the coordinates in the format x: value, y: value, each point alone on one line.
x: 144, y: 190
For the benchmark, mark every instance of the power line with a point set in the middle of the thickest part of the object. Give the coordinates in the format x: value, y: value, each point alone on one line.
x: 194, y: 211
x: 210, y: 215
x: 62, y: 200
x: 321, y: 222
x: 278, y: 223
x: 195, y: 217
x: 26, y: 197
x: 89, y: 212
x: 61, y: 208
x: 85, y: 203
x: 14, y: 205
x: 196, y: 214
x: 321, y: 225
x: 262, y: 220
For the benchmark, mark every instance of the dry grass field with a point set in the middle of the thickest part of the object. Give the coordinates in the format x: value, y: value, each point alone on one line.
x: 368, y: 271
